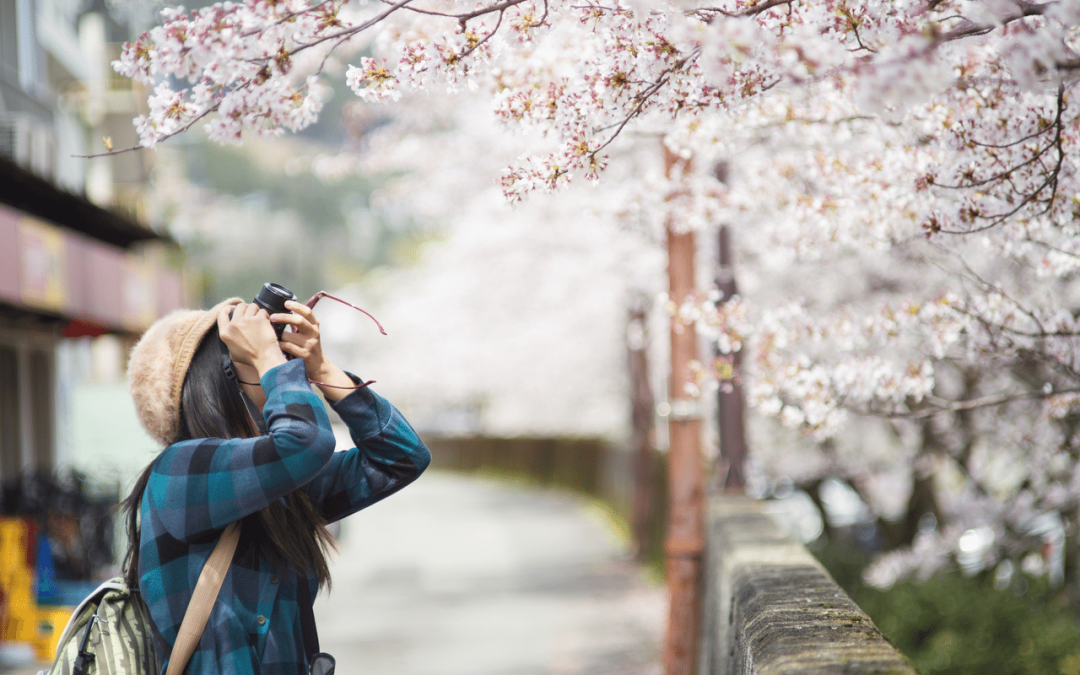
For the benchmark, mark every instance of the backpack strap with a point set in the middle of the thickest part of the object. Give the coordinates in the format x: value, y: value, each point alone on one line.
x: 202, y: 599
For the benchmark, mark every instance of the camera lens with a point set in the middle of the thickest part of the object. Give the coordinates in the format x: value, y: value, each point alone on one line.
x: 272, y: 298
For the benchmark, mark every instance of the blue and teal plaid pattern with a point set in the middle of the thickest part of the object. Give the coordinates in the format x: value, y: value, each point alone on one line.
x: 200, y: 486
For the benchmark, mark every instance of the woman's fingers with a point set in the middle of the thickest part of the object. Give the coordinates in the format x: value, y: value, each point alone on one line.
x: 301, y: 343
x: 297, y: 322
x: 303, y: 310
x: 304, y: 340
x: 223, y: 319
x: 300, y: 318
x: 247, y: 332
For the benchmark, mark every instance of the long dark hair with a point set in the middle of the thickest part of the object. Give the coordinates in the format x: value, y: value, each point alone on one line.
x: 291, y: 534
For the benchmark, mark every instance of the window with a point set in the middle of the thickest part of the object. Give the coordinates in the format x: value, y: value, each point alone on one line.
x: 10, y: 414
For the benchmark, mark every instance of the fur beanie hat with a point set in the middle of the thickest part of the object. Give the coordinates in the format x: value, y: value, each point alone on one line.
x: 159, y: 363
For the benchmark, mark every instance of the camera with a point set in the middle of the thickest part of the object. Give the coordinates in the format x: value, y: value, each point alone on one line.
x: 272, y: 298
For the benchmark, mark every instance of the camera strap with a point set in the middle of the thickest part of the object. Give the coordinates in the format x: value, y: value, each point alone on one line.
x: 227, y: 365
x: 319, y: 663
x: 230, y: 370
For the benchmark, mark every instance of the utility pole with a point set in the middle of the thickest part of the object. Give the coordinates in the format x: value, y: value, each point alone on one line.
x: 685, y: 532
x: 731, y: 476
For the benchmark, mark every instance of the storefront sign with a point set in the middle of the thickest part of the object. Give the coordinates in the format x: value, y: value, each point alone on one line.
x: 97, y: 287
x: 42, y: 268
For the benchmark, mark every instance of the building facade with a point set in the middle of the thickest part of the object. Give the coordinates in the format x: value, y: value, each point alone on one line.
x: 77, y: 259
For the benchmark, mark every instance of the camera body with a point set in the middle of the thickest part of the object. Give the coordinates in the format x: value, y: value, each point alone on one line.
x: 272, y: 298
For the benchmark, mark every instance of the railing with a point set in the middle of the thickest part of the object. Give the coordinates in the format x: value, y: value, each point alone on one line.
x: 770, y: 607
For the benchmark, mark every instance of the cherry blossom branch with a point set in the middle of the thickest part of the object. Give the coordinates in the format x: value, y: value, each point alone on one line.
x: 970, y: 28
x: 1051, y: 247
x: 491, y: 33
x: 181, y: 130
x: 359, y: 28
x: 996, y: 328
x: 497, y: 7
x: 642, y: 98
x: 1016, y: 142
x: 280, y: 58
x: 285, y: 18
x: 941, y: 405
x: 1001, y: 176
x: 1050, y: 181
x: 989, y: 288
x: 465, y: 17
x: 1041, y: 334
x: 752, y: 10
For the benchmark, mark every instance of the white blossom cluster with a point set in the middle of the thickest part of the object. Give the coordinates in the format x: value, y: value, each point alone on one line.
x: 250, y: 64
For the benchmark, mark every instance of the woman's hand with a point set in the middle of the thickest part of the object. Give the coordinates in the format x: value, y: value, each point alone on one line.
x: 304, y: 342
x: 250, y: 337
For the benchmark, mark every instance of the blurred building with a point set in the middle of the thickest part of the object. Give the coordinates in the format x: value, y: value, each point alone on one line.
x: 77, y: 260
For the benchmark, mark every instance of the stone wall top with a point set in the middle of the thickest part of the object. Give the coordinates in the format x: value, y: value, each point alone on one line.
x: 771, y: 609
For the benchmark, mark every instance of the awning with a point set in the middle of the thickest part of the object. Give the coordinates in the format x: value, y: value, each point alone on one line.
x: 26, y: 192
x: 89, y: 284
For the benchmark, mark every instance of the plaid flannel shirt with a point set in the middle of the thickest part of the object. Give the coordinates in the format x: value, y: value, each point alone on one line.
x: 198, y: 487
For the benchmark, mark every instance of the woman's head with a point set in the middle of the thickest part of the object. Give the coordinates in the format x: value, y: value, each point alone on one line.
x: 159, y: 366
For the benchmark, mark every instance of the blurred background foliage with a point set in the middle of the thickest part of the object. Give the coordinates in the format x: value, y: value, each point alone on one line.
x: 316, y: 231
x: 958, y: 624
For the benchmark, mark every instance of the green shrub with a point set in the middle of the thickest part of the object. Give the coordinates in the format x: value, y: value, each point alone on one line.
x: 959, y: 625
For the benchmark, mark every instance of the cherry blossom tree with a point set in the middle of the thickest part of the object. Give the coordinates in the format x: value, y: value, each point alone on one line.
x: 901, y: 175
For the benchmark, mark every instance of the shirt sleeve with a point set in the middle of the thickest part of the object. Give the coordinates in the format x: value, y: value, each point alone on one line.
x: 198, y: 487
x: 388, y: 456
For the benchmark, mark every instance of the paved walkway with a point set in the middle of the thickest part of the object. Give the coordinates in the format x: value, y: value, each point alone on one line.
x: 456, y: 575
x: 462, y: 576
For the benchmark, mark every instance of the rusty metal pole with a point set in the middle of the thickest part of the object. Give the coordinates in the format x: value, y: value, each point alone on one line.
x: 685, y: 533
x: 731, y: 407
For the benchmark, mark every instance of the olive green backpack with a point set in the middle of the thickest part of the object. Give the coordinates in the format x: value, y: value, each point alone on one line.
x: 110, y: 632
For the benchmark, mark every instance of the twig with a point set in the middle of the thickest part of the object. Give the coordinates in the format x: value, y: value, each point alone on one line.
x: 970, y: 28
x: 1051, y: 177
x: 163, y: 138
x: 643, y: 98
x: 497, y: 7
x: 747, y: 11
x: 286, y: 18
x: 946, y: 406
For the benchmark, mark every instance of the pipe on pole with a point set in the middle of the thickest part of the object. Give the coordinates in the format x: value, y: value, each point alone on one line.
x: 643, y: 421
x: 685, y: 531
x: 731, y: 407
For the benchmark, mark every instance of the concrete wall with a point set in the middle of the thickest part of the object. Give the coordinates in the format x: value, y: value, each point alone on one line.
x: 771, y: 608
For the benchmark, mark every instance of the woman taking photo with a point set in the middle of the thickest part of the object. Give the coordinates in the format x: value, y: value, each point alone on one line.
x: 247, y: 439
